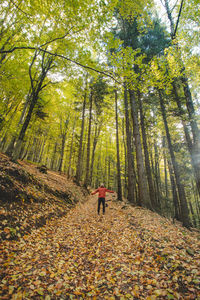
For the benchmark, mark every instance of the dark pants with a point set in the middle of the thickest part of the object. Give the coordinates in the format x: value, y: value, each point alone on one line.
x: 101, y: 200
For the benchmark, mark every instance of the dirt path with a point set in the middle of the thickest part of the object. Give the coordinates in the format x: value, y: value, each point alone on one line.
x: 121, y: 255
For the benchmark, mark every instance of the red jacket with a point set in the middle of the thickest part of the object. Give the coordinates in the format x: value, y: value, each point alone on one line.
x: 102, y: 192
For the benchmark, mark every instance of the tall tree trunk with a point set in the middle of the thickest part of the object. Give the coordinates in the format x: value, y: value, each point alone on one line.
x: 146, y: 155
x: 177, y: 214
x: 144, y: 198
x: 19, y: 143
x: 125, y: 162
x: 157, y: 174
x: 119, y: 184
x: 80, y: 150
x: 63, y: 130
x: 86, y: 182
x: 131, y: 192
x: 181, y: 191
x: 165, y: 168
x: 96, y: 136
x: 10, y: 147
x: 193, y: 215
x: 36, y: 87
x: 54, y: 156
x: 38, y: 148
x: 62, y: 150
x: 71, y: 148
x: 42, y: 151
x: 191, y: 146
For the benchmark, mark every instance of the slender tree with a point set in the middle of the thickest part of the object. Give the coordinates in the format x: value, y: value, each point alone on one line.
x: 86, y: 181
x: 119, y: 185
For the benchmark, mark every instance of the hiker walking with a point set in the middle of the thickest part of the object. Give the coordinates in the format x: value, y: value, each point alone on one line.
x: 102, y: 194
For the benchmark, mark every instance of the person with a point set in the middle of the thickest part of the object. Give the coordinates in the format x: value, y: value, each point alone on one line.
x: 101, y: 198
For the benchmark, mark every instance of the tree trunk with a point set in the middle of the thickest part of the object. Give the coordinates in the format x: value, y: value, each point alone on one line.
x: 80, y: 154
x: 181, y: 191
x: 62, y: 151
x: 156, y: 171
x: 191, y: 147
x: 119, y: 185
x: 42, y: 151
x: 125, y: 162
x: 71, y: 148
x: 54, y: 156
x: 165, y: 168
x: 97, y: 133
x: 144, y: 198
x: 36, y: 88
x: 146, y: 155
x: 177, y: 214
x: 19, y: 143
x: 86, y: 182
x: 131, y: 192
x: 193, y: 215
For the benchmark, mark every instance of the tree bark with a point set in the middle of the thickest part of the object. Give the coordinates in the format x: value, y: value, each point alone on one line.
x: 119, y: 184
x: 165, y: 168
x: 62, y: 151
x: 80, y: 154
x: 71, y: 148
x: 193, y: 215
x: 144, y: 198
x: 156, y: 169
x: 54, y: 156
x: 96, y: 136
x: 131, y: 192
x: 177, y: 214
x: 86, y: 182
x: 146, y: 156
x: 42, y: 151
x: 191, y: 146
x: 181, y: 191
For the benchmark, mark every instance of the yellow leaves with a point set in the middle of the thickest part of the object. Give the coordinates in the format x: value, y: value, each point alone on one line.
x: 37, y: 282
x: 151, y: 298
x: 6, y: 230
x: 42, y: 273
x: 11, y: 289
x: 40, y: 291
x: 78, y: 293
x: 85, y: 258
x: 52, y: 275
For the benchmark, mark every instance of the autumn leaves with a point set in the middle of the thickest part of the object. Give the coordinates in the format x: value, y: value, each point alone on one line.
x: 129, y: 254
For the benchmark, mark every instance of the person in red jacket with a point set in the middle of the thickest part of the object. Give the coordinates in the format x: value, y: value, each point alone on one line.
x: 102, y: 194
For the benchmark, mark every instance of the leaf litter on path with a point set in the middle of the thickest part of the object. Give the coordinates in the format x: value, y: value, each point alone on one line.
x: 128, y: 253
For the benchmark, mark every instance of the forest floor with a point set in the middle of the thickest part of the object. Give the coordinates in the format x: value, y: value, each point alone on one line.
x: 129, y: 253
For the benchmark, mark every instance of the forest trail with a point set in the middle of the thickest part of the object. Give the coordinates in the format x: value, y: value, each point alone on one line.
x: 129, y: 253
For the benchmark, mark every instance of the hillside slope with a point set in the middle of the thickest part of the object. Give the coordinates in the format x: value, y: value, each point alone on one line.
x: 28, y: 198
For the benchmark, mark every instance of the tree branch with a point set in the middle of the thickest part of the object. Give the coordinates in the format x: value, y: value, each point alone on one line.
x: 178, y: 19
x: 58, y: 38
x: 61, y: 56
x: 28, y: 15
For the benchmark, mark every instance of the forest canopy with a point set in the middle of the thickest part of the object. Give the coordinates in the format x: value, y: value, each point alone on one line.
x: 106, y: 91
